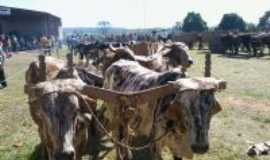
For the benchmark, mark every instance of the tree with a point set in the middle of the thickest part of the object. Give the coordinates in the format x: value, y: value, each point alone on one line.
x: 251, y: 27
x: 232, y: 21
x: 264, y: 22
x: 104, y: 26
x: 194, y: 22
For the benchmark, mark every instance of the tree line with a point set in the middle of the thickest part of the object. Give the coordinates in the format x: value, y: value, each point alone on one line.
x: 194, y: 22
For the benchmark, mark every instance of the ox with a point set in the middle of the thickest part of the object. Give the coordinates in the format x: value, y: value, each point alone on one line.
x: 185, y: 114
x: 53, y: 66
x: 169, y: 57
x: 63, y: 118
x: 230, y: 42
x: 250, y: 41
x: 145, y: 48
x: 259, y: 41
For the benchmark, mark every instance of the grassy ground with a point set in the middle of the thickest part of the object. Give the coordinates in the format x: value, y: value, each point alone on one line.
x: 244, y: 119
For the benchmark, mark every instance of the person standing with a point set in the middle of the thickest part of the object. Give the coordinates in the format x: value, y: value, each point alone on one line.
x: 3, y: 81
x: 46, y: 45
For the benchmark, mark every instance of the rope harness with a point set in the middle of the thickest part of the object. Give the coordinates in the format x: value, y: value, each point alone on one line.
x: 115, y: 141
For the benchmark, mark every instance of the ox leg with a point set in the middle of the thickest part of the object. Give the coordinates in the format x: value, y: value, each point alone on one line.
x: 122, y: 152
x: 248, y: 50
x: 254, y: 51
x: 261, y: 51
x: 122, y: 136
x: 3, y: 81
x: 156, y: 152
x: 236, y: 49
x: 87, y: 57
x: 81, y: 55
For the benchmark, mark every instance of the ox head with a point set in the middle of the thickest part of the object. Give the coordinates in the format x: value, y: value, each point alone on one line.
x: 114, y: 54
x: 53, y: 66
x: 193, y: 107
x: 178, y: 54
x: 65, y: 118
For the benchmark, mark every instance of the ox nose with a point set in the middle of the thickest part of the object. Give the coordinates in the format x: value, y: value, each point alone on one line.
x: 66, y: 155
x: 200, y: 149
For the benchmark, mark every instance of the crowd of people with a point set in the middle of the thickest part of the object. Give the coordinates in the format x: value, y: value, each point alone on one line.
x: 85, y: 38
x: 12, y: 43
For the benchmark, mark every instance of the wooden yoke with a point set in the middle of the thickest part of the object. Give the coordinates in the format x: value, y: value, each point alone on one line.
x: 120, y: 98
x: 124, y: 102
x: 70, y: 62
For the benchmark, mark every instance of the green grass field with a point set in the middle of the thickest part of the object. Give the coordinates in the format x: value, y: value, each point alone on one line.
x: 244, y: 120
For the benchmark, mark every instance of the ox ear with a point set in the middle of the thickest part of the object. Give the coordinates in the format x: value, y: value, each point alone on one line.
x: 216, y: 108
x: 32, y: 74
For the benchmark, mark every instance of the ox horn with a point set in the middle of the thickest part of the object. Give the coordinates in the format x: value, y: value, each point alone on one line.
x: 111, y: 48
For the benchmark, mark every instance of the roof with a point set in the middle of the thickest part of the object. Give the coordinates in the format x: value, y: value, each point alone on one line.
x: 18, y: 11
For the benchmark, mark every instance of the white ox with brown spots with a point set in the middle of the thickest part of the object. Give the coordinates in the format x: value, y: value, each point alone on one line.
x: 63, y: 117
x: 185, y: 113
x: 170, y: 56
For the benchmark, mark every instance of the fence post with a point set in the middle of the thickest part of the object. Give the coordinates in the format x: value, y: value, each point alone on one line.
x: 208, y: 63
x: 42, y: 67
x: 70, y: 62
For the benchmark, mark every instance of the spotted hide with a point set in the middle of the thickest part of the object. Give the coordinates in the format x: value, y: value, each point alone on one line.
x: 184, y: 115
x: 63, y: 118
x: 170, y: 56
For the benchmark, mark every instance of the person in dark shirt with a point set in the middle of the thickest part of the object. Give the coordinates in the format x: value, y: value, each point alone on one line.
x: 3, y: 81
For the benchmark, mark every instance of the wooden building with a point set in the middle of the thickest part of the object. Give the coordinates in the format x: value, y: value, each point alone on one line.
x: 28, y: 22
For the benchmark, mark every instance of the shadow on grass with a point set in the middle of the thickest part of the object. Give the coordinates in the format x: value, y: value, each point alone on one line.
x: 241, y: 55
x: 38, y: 154
x: 237, y: 56
x: 261, y: 119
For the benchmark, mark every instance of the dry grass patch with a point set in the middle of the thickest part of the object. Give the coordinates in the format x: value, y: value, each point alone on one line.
x: 244, y: 119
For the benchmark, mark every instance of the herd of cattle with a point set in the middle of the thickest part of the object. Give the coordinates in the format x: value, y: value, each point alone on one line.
x: 252, y: 43
x: 148, y: 101
x: 232, y: 43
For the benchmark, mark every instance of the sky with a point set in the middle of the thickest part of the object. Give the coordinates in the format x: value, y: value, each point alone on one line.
x: 142, y: 13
